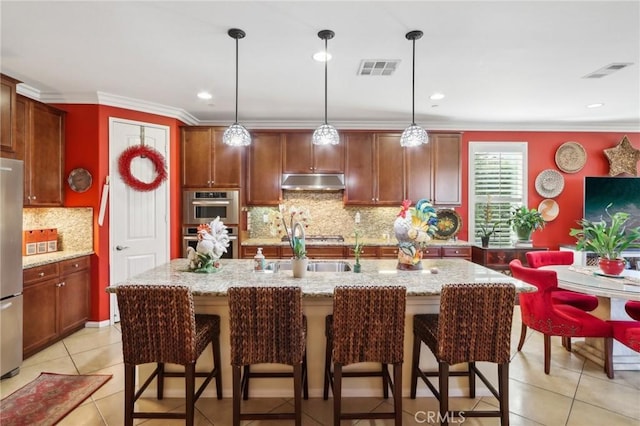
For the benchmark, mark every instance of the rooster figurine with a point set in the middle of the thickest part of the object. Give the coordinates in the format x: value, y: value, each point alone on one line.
x: 414, y: 226
x: 213, y: 240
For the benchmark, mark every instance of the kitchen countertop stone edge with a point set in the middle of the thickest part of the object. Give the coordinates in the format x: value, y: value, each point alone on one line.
x: 57, y: 256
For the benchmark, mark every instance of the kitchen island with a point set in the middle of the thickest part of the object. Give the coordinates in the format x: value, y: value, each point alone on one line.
x: 423, y: 290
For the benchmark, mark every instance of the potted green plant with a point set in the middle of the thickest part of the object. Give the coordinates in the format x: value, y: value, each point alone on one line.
x: 487, y: 227
x: 607, y: 239
x: 524, y: 221
x: 296, y: 241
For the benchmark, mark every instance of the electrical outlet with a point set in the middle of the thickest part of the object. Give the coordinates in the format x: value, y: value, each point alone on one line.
x: 265, y: 218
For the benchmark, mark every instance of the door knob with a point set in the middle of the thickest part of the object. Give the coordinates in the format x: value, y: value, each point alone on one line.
x: 120, y: 248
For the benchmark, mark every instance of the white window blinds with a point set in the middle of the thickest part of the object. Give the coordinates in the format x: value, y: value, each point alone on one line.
x: 497, y: 182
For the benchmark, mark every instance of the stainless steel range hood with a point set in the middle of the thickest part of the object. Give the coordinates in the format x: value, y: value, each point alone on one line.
x: 313, y: 182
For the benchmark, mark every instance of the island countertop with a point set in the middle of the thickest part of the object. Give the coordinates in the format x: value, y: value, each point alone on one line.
x: 239, y: 272
x: 350, y: 241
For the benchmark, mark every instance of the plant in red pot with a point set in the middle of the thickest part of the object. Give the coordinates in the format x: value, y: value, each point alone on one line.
x: 607, y: 239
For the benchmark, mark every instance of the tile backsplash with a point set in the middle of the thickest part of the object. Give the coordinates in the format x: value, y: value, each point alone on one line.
x: 75, y: 225
x: 327, y: 216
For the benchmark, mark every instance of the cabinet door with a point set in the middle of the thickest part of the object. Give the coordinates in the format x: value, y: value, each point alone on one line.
x: 45, y: 156
x: 269, y: 252
x: 359, y: 185
x: 328, y: 158
x: 227, y: 163
x: 388, y: 252
x: 325, y: 252
x: 390, y: 169
x: 297, y: 153
x: 197, y: 149
x: 264, y: 170
x: 39, y: 315
x: 73, y: 300
x: 8, y: 148
x: 418, y: 172
x: 447, y: 188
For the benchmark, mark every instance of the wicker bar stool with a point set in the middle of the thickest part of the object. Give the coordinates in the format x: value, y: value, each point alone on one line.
x: 159, y: 326
x: 367, y: 326
x: 474, y: 324
x: 267, y: 326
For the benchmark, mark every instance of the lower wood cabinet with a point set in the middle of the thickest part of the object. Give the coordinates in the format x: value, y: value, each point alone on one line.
x: 498, y: 258
x: 346, y: 252
x: 56, y: 302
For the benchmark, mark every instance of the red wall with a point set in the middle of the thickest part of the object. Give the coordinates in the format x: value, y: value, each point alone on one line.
x: 87, y: 145
x: 542, y: 147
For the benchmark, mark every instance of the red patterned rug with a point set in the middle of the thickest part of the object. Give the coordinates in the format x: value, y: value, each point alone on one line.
x: 47, y: 399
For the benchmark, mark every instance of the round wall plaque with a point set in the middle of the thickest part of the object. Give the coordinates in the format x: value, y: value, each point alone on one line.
x: 79, y: 180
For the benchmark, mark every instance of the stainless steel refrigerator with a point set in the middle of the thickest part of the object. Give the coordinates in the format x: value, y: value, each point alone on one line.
x: 11, y: 190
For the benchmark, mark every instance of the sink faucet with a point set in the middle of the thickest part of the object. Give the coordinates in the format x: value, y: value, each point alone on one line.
x: 299, y: 226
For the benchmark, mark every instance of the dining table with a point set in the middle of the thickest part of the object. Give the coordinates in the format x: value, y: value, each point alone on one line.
x: 613, y: 292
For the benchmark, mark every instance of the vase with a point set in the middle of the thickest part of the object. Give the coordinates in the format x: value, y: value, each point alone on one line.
x: 409, y: 258
x: 611, y: 266
x: 524, y: 234
x: 299, y: 267
x: 356, y: 268
x: 485, y: 241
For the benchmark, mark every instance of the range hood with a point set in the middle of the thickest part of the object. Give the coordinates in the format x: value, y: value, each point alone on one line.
x: 313, y: 182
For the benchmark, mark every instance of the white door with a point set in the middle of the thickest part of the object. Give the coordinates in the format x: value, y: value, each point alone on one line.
x: 139, y: 220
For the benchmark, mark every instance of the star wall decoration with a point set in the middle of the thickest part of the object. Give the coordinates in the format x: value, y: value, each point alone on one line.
x: 623, y: 158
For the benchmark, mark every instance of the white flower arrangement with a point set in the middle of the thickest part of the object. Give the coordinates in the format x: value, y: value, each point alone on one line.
x: 277, y: 219
x: 213, y: 240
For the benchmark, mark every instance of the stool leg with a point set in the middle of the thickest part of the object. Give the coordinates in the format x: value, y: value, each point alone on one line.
x: 415, y: 364
x: 472, y: 380
x: 337, y: 393
x: 237, y: 394
x: 160, y: 380
x: 443, y: 377
x: 503, y: 391
x: 215, y: 348
x: 129, y: 393
x: 384, y: 369
x: 245, y: 382
x: 547, y: 353
x: 523, y: 335
x: 327, y: 369
x: 190, y: 385
x: 297, y: 393
x: 305, y: 377
x: 397, y: 392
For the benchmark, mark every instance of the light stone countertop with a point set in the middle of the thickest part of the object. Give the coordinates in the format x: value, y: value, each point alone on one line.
x: 56, y: 256
x: 239, y: 272
x: 350, y: 242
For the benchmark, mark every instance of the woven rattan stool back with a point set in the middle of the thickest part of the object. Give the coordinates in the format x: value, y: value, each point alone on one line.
x: 158, y: 324
x: 368, y: 324
x: 475, y: 323
x: 266, y: 325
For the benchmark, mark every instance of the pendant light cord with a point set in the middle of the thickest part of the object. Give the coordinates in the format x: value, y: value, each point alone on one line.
x: 326, y: 59
x: 413, y: 86
x: 236, y: 120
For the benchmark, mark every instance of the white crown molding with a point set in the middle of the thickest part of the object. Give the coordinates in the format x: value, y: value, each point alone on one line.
x: 102, y: 98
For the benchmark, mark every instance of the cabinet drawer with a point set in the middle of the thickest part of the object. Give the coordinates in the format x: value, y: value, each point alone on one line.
x: 500, y: 258
x: 388, y: 251
x: 429, y: 252
x: 325, y: 252
x: 73, y: 265
x: 40, y: 273
x: 269, y: 252
x: 456, y: 252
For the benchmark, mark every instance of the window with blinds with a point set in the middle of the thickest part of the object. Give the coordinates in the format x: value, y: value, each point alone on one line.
x: 497, y: 183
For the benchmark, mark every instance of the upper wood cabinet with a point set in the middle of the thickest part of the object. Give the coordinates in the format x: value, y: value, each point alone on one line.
x: 300, y: 155
x: 8, y: 146
x: 207, y: 162
x: 433, y: 170
x: 264, y: 169
x: 374, y: 169
x: 40, y: 131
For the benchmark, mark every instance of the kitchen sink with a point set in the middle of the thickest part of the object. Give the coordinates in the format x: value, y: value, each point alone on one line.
x: 313, y: 266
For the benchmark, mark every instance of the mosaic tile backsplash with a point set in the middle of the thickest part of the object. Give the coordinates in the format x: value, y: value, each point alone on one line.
x: 75, y: 225
x: 325, y: 215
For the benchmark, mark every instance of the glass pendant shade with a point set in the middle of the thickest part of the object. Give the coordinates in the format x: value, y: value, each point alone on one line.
x: 326, y: 135
x: 414, y: 135
x: 236, y: 135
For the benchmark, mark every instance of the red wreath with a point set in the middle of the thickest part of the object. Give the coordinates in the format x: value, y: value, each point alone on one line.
x: 143, y: 151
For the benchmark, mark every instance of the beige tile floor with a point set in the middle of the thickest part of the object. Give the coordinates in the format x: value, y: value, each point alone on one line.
x: 576, y: 393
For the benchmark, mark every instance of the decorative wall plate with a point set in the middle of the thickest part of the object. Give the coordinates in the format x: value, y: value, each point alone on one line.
x: 449, y: 224
x: 571, y: 157
x: 79, y: 180
x: 549, y: 209
x: 549, y: 183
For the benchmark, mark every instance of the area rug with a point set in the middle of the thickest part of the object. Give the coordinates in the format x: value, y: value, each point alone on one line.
x: 47, y: 399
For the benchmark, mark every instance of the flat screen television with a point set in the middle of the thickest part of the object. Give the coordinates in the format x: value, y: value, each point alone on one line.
x: 622, y: 192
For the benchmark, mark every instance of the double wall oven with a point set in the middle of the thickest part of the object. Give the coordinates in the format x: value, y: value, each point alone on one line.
x: 203, y: 206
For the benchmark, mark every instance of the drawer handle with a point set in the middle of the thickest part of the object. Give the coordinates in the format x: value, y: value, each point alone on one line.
x: 75, y: 265
x: 41, y: 274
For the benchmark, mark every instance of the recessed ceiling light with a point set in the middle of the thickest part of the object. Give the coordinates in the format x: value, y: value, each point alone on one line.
x: 204, y: 95
x: 436, y: 96
x: 596, y: 105
x: 322, y: 57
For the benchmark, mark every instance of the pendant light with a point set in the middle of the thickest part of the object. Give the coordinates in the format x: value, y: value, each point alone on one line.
x: 413, y: 135
x: 326, y: 134
x: 236, y: 134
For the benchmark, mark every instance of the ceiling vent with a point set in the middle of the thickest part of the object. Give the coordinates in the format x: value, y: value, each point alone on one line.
x: 378, y: 66
x: 609, y: 69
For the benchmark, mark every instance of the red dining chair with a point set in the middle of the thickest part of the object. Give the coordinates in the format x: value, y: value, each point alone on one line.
x: 625, y: 332
x: 551, y: 319
x: 633, y: 309
x: 586, y: 302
